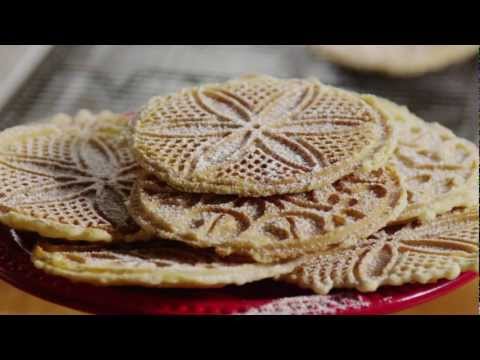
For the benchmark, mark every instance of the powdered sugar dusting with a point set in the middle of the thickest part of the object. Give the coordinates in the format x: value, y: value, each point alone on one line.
x: 312, y: 305
x: 74, y: 172
x: 435, y: 165
x: 425, y: 253
x: 271, y: 228
x: 261, y: 136
x: 152, y: 264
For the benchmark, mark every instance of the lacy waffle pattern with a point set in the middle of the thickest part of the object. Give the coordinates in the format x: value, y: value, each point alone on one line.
x: 69, y: 178
x: 440, y: 170
x: 271, y: 228
x: 258, y: 136
x: 440, y: 249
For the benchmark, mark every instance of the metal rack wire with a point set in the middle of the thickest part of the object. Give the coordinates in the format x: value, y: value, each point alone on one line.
x: 121, y: 78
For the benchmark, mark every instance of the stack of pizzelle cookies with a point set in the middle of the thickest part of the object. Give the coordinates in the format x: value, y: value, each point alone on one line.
x: 252, y: 179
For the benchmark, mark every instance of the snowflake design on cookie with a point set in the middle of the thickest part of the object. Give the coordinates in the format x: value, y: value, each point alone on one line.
x: 69, y: 178
x: 256, y: 136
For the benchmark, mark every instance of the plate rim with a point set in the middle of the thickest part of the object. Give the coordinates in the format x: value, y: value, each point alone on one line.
x: 398, y: 297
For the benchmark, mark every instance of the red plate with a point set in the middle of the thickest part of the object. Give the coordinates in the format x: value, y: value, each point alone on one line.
x: 265, y: 297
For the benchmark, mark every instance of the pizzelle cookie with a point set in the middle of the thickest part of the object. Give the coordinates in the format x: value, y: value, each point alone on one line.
x: 396, y: 60
x: 440, y: 170
x: 259, y: 136
x: 440, y: 249
x: 69, y: 178
x: 152, y: 264
x: 274, y: 228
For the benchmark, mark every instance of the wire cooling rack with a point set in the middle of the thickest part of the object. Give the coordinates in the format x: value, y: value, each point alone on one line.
x: 122, y: 78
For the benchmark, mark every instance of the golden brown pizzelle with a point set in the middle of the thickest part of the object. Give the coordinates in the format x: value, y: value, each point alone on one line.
x: 440, y: 169
x: 155, y: 264
x: 259, y: 136
x: 272, y: 228
x: 69, y: 178
x: 252, y: 179
x: 440, y: 249
x: 396, y: 60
